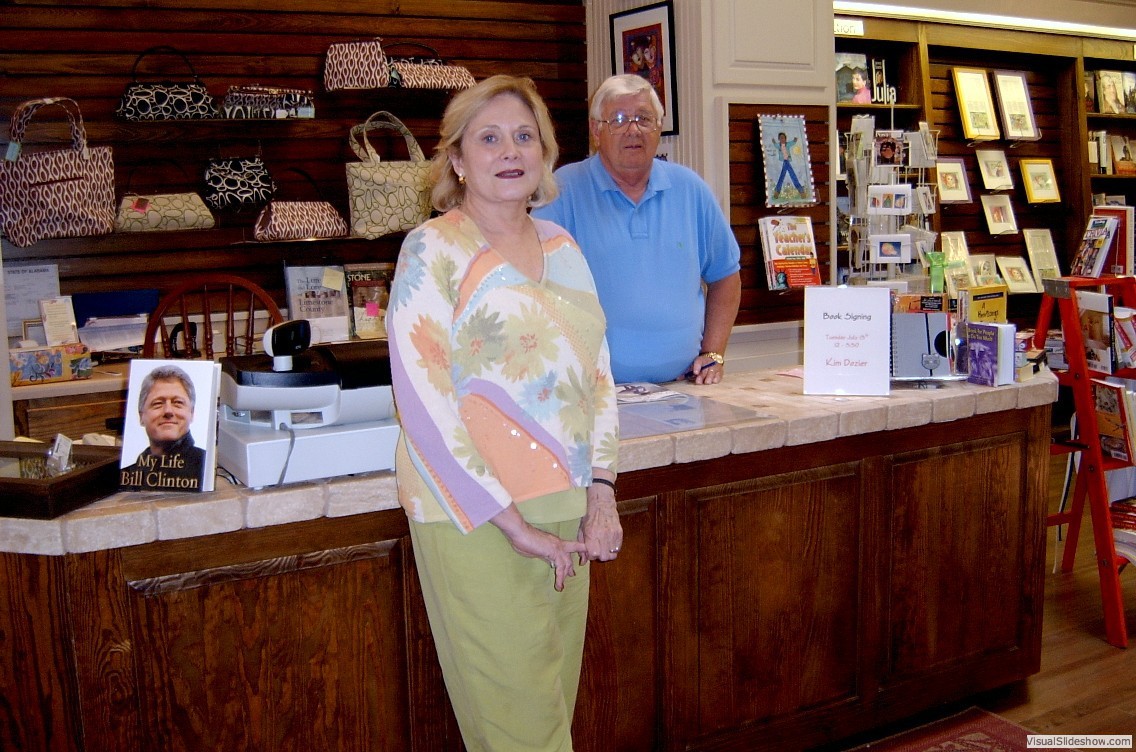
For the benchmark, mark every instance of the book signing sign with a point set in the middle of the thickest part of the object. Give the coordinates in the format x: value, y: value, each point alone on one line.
x: 847, y: 340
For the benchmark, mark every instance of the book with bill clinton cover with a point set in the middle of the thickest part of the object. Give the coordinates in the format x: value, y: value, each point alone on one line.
x: 169, y: 437
x: 790, y: 251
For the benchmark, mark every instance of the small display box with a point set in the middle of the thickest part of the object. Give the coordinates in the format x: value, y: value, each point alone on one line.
x: 28, y: 490
x: 43, y: 365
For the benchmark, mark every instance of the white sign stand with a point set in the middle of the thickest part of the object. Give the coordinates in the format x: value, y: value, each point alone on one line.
x: 847, y: 340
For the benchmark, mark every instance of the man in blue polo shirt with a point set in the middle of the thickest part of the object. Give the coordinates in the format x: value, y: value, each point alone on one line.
x: 662, y: 253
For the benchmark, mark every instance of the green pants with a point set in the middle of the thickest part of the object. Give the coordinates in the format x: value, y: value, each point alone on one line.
x: 510, y: 646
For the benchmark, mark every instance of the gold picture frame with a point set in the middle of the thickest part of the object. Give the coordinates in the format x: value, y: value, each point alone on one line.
x: 1040, y: 181
x: 976, y: 105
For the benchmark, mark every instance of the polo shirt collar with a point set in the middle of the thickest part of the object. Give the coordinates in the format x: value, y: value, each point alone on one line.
x: 658, y: 181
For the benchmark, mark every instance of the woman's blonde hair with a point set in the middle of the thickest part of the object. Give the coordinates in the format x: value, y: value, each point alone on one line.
x: 463, y: 108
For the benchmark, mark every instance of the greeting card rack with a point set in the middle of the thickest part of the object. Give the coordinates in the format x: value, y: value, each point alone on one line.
x: 1090, y: 485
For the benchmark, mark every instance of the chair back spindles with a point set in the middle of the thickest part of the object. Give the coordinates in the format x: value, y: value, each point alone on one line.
x: 208, y: 296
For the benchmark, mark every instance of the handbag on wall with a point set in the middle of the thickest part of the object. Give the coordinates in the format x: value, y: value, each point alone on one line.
x: 426, y: 71
x: 252, y: 101
x: 57, y: 193
x: 386, y: 197
x: 299, y: 220
x: 356, y: 65
x: 236, y: 183
x: 161, y: 212
x: 166, y: 100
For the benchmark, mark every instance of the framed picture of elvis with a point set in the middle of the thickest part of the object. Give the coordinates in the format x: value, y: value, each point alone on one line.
x: 642, y: 42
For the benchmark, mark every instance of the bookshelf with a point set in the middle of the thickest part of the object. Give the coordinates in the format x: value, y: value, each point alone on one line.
x: 1090, y: 487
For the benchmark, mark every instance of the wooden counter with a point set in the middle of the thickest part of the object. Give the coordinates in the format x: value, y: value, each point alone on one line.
x: 785, y: 581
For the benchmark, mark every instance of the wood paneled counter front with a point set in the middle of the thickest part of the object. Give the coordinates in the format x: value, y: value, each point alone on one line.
x: 832, y: 565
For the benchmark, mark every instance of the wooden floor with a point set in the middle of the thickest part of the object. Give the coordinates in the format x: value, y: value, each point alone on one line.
x: 1085, y: 686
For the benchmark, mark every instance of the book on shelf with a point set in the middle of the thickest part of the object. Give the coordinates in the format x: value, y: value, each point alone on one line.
x: 790, y: 252
x: 1120, y: 150
x: 853, y: 78
x: 319, y: 294
x: 1096, y: 318
x: 1090, y: 92
x: 882, y: 91
x: 1093, y: 249
x: 1113, y: 407
x: 169, y: 437
x: 1123, y: 513
x: 368, y: 290
x: 1016, y: 274
x: 990, y: 353
x: 1110, y: 92
x: 1124, y: 335
x: 1104, y: 152
x: 1042, y: 255
x: 1120, y: 254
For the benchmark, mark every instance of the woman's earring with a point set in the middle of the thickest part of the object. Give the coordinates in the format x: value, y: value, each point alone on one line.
x: 461, y: 179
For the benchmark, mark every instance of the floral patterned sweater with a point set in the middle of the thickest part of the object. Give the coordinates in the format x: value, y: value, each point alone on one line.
x: 502, y: 383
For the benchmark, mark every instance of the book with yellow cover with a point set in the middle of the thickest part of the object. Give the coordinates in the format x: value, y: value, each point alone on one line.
x: 987, y: 304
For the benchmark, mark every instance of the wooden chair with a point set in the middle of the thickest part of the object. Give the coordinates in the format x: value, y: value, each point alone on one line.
x: 201, y: 298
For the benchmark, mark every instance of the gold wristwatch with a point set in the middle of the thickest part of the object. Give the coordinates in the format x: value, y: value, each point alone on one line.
x: 716, y: 357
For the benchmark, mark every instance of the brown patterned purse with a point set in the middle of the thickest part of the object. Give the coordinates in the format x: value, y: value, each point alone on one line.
x: 59, y: 193
x: 356, y: 65
x: 426, y: 71
x: 299, y: 220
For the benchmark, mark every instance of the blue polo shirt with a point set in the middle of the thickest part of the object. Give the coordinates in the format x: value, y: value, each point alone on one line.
x: 648, y: 260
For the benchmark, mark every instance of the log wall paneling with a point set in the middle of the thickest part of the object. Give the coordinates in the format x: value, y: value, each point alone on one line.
x: 747, y: 205
x: 85, y: 51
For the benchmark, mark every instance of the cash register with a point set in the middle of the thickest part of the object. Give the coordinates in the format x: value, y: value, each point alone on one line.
x: 298, y: 412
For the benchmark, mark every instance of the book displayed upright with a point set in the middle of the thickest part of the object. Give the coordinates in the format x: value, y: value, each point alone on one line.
x: 990, y: 353
x: 169, y: 438
x: 1120, y: 254
x: 790, y: 252
x: 1113, y: 406
x: 853, y: 78
x: 1093, y: 249
x: 1096, y: 316
x: 319, y: 294
x: 985, y: 304
x: 368, y: 289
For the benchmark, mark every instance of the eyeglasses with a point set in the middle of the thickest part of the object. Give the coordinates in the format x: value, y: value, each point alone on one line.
x: 620, y: 122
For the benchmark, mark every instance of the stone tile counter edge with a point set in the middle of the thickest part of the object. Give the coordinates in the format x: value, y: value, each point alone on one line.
x: 786, y: 417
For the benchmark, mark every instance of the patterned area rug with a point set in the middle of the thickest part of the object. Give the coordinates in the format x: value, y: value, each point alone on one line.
x: 973, y: 730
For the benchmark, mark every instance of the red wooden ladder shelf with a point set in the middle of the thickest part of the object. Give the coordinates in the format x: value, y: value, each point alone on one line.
x: 1090, y: 482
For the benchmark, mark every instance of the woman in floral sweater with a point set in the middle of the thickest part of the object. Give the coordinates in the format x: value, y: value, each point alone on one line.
x: 502, y: 382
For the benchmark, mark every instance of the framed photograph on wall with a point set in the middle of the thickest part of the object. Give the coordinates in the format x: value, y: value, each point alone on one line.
x: 642, y: 42
x: 999, y: 214
x: 1040, y: 182
x: 954, y: 188
x: 785, y: 153
x: 976, y: 106
x: 1014, y: 104
x: 995, y: 169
